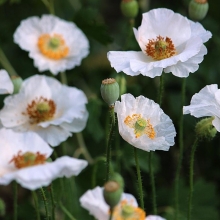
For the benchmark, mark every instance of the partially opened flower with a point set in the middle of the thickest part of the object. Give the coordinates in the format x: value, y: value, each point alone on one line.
x: 206, y: 103
x: 143, y: 124
x: 46, y: 107
x: 6, y: 85
x: 169, y: 42
x: 94, y: 202
x: 23, y: 159
x: 54, y: 44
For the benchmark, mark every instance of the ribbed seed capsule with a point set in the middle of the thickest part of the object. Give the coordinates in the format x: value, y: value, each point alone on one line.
x: 129, y: 8
x: 198, y: 9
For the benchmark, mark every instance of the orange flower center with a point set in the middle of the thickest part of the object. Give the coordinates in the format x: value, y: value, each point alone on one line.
x: 125, y: 211
x: 140, y: 125
x: 40, y: 110
x: 28, y: 159
x: 53, y: 47
x: 160, y: 48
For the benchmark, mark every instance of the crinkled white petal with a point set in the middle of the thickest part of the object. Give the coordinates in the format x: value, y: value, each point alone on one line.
x: 29, y: 31
x: 154, y: 217
x: 42, y: 175
x: 6, y: 85
x: 93, y: 201
x: 206, y: 103
x: 70, y: 114
x: 162, y: 124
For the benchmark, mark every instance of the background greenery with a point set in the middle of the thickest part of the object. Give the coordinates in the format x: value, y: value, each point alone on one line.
x: 107, y: 29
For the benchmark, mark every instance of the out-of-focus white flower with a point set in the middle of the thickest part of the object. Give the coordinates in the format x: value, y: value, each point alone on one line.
x: 206, y: 103
x: 94, y: 202
x: 169, y: 42
x: 6, y: 85
x: 143, y: 124
x: 23, y: 159
x: 54, y: 44
x: 154, y: 217
x: 46, y: 107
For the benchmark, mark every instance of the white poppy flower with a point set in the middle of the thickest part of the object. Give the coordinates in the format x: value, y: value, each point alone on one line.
x: 6, y: 85
x: 169, y: 42
x: 54, y: 44
x: 206, y: 103
x: 94, y: 202
x: 46, y: 107
x: 154, y: 217
x: 143, y: 124
x: 23, y: 159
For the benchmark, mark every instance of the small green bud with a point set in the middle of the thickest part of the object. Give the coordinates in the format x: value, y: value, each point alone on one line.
x: 17, y: 82
x: 117, y: 178
x: 205, y: 129
x: 198, y: 9
x: 110, y: 91
x: 112, y: 193
x: 122, y: 83
x: 129, y: 8
x: 2, y: 207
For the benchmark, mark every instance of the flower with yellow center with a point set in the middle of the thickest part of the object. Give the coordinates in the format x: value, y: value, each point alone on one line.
x: 47, y: 107
x: 143, y: 124
x: 54, y: 44
x: 24, y: 157
x: 169, y: 42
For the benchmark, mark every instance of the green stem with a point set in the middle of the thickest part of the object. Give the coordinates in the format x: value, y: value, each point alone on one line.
x: 53, y: 201
x: 63, y: 78
x: 109, y: 140
x: 15, y: 189
x: 6, y: 64
x: 139, y: 179
x: 36, y: 204
x: 66, y: 211
x: 111, y: 214
x: 50, y: 6
x: 154, y: 200
x: 45, y: 203
x: 180, y: 158
x: 161, y: 91
x: 191, y: 171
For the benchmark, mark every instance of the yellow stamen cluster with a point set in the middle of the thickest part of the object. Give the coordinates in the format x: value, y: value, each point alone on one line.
x: 140, y: 125
x: 40, y: 110
x: 160, y: 48
x: 53, y: 47
x: 28, y: 159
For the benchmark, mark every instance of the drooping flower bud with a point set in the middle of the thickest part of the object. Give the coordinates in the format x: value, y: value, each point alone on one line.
x: 117, y: 178
x: 205, y: 129
x: 198, y: 9
x: 122, y: 83
x: 129, y: 8
x: 112, y: 193
x: 110, y: 91
x: 17, y: 82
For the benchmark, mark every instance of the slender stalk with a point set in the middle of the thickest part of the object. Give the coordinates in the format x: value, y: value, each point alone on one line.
x: 45, y: 203
x: 191, y: 171
x: 152, y: 180
x: 36, y: 204
x: 161, y: 91
x: 50, y: 5
x: 53, y: 201
x: 66, y: 211
x: 111, y: 214
x: 63, y: 78
x: 109, y: 140
x: 141, y: 195
x: 180, y: 159
x: 15, y: 190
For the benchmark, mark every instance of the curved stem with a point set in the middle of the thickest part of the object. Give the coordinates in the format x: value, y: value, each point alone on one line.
x: 15, y: 189
x: 161, y: 91
x: 111, y: 214
x: 191, y: 171
x: 66, y: 211
x: 154, y: 200
x: 52, y: 200
x: 50, y: 5
x: 36, y: 204
x: 180, y: 159
x: 139, y: 179
x: 45, y: 203
x: 63, y: 78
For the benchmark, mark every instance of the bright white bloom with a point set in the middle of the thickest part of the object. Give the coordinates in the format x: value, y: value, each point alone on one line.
x: 6, y: 85
x: 94, y: 202
x: 154, y: 217
x: 169, y: 42
x: 23, y: 159
x: 206, y: 103
x: 46, y: 107
x: 143, y: 124
x: 54, y: 44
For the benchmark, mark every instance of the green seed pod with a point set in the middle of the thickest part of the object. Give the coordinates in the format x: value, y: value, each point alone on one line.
x: 112, y: 193
x: 110, y: 91
x: 198, y: 9
x: 17, y: 82
x: 122, y: 83
x: 117, y: 178
x: 129, y: 8
x: 205, y: 129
